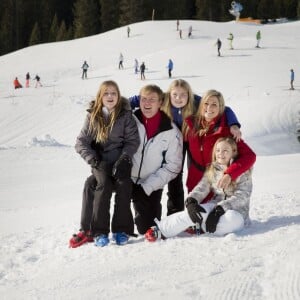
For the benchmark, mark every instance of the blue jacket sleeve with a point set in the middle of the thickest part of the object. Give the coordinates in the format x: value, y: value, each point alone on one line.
x: 134, y: 102
x: 230, y: 115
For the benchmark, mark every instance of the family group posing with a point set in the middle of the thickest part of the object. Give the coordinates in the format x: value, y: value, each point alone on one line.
x: 136, y: 147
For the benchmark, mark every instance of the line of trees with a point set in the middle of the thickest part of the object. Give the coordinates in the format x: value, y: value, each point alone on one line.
x: 30, y: 22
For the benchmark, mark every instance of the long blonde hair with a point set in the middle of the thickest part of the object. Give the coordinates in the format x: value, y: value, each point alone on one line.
x: 200, y: 124
x: 188, y: 109
x: 232, y: 143
x: 99, y: 126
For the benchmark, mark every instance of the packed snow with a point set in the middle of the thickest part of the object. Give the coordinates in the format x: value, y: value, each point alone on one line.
x: 42, y: 176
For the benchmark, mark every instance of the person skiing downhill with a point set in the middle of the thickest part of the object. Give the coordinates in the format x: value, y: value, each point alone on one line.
x: 38, y: 80
x: 142, y: 70
x: 219, y: 45
x: 258, y: 38
x: 170, y: 67
x: 121, y: 58
x: 292, y: 79
x: 136, y: 66
x: 17, y: 84
x: 84, y: 68
x: 27, y: 79
x: 230, y: 38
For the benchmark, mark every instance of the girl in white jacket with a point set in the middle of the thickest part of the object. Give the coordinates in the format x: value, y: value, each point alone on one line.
x: 226, y: 212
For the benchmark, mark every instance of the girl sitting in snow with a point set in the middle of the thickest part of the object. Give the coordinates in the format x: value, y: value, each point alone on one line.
x: 227, y: 211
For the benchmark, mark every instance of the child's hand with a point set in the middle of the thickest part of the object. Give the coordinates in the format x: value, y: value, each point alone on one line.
x: 224, y: 182
x: 236, y: 132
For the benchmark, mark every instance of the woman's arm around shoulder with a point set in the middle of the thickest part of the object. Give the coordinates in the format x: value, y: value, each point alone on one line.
x: 245, y: 160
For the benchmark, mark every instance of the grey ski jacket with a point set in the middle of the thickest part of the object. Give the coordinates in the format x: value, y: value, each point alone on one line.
x: 123, y: 138
x: 237, y: 198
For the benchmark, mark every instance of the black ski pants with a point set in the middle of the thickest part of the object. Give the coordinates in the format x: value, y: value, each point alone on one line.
x: 147, y: 208
x: 95, y: 213
x: 175, y: 202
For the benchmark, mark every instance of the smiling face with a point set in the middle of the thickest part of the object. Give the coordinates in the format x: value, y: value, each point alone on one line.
x: 179, y: 97
x: 150, y: 104
x: 210, y: 108
x: 224, y: 153
x: 110, y: 97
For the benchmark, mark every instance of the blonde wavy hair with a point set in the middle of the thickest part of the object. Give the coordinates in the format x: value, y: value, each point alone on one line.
x: 200, y: 124
x: 232, y: 143
x: 188, y: 109
x: 99, y: 126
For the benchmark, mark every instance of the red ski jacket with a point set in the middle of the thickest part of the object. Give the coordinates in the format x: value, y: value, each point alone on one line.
x: 200, y: 151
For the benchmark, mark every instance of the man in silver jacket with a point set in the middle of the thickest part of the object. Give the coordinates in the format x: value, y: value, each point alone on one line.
x: 157, y: 160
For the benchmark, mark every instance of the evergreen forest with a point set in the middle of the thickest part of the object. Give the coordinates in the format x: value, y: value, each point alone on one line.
x: 30, y: 22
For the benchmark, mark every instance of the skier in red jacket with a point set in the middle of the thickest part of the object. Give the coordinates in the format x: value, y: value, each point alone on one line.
x: 17, y: 83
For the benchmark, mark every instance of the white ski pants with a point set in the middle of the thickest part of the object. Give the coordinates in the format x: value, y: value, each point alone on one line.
x: 174, y: 224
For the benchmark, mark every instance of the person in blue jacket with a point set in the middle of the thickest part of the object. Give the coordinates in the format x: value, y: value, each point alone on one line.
x: 292, y: 79
x: 170, y: 67
x: 179, y: 103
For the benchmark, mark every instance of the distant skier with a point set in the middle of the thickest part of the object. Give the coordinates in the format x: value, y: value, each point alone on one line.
x: 136, y: 66
x: 84, y: 67
x: 121, y: 58
x: 258, y: 38
x: 38, y: 80
x: 219, y: 45
x: 230, y: 38
x: 142, y: 70
x: 177, y: 24
x: 170, y: 67
x: 128, y: 31
x: 292, y: 79
x: 180, y: 33
x: 190, y: 31
x: 27, y: 79
x: 17, y: 84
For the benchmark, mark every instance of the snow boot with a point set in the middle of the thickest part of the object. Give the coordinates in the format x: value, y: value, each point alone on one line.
x: 101, y: 240
x: 80, y: 238
x: 153, y: 234
x: 121, y: 238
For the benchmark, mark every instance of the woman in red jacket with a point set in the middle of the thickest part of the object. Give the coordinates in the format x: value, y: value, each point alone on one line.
x: 201, y: 131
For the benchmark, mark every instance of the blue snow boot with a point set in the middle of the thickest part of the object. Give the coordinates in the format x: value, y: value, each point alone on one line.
x: 121, y: 238
x: 101, y: 240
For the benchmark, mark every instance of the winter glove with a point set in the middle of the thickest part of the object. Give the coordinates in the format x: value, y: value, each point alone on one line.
x: 137, y: 192
x: 100, y: 170
x: 122, y: 167
x: 213, y: 218
x: 194, y: 210
x: 94, y: 162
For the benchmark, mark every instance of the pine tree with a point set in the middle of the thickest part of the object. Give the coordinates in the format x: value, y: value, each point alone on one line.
x: 125, y: 12
x: 6, y: 31
x: 53, y: 30
x: 62, y: 32
x: 45, y: 18
x: 291, y: 8
x: 109, y: 14
x: 86, y: 18
x: 35, y: 37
